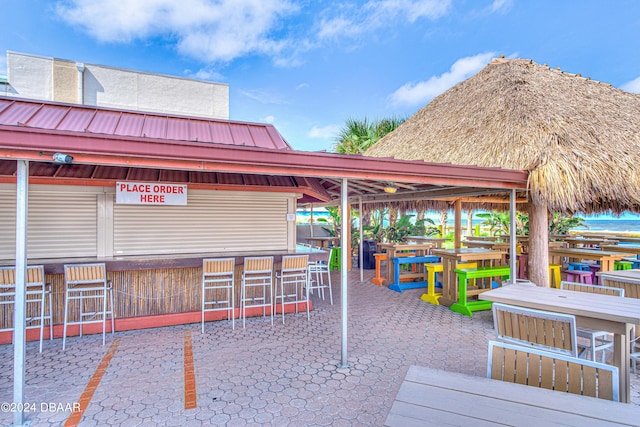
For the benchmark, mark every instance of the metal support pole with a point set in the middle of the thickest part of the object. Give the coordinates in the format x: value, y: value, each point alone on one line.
x: 513, y: 238
x: 19, y: 322
x: 343, y: 270
x: 361, y: 240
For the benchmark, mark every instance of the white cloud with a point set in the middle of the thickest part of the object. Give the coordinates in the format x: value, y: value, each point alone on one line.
x: 353, y: 20
x: 212, y: 30
x: 419, y: 93
x: 633, y: 86
x: 264, y: 97
x: 219, y: 31
x: 500, y: 6
x: 268, y: 119
x: 324, y: 132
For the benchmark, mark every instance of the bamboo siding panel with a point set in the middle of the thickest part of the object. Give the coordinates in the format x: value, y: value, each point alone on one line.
x: 138, y: 293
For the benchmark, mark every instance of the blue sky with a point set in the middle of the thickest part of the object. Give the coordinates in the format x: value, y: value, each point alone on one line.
x: 307, y: 66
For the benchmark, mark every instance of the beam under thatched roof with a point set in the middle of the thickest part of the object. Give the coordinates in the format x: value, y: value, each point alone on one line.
x: 578, y: 138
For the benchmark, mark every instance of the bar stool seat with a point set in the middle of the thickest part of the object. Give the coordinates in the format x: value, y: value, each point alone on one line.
x: 218, y: 277
x: 87, y: 287
x: 38, y: 298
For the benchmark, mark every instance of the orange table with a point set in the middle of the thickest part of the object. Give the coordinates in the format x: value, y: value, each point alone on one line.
x: 401, y: 249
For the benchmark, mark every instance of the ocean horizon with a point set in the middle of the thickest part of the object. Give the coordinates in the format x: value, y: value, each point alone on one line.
x: 625, y: 224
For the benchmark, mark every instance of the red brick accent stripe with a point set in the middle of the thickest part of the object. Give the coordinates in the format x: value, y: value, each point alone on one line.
x: 190, y: 398
x: 75, y: 418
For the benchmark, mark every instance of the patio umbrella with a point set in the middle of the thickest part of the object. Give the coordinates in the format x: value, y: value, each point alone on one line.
x: 578, y: 138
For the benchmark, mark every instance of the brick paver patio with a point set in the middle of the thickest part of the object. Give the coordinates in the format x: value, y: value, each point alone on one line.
x: 285, y: 375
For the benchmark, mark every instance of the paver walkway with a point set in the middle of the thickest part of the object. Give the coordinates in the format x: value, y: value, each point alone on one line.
x: 285, y: 375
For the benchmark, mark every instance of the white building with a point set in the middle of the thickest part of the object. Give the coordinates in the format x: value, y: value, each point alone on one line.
x: 61, y: 80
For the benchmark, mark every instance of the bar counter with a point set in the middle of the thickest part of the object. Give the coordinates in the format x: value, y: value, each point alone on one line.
x: 149, y: 291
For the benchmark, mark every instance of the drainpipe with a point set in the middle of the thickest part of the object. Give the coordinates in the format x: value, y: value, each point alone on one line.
x: 80, y: 67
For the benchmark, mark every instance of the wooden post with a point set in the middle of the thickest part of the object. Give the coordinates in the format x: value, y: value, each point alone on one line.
x: 457, y: 220
x: 538, y: 244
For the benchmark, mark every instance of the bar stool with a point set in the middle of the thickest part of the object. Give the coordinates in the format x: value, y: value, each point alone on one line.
x: 554, y: 276
x: 335, y: 258
x: 292, y: 278
x: 622, y: 265
x: 317, y: 270
x: 88, y: 285
x: 579, y: 276
x: 218, y: 277
x: 583, y: 266
x: 38, y: 297
x: 256, y: 289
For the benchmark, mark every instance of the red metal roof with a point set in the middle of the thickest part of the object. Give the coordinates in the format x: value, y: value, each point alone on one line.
x: 82, y: 118
x: 112, y: 145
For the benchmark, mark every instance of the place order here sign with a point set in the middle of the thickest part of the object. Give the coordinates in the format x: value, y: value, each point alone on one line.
x: 144, y: 193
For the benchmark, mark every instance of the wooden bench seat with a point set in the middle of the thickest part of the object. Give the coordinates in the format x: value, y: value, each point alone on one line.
x: 466, y: 307
x: 398, y: 284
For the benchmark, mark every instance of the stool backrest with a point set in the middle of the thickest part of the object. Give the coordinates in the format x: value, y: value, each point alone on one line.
x: 35, y: 277
x: 85, y: 274
x: 594, y: 289
x: 218, y: 266
x: 258, y: 264
x: 553, y: 371
x: 536, y: 328
x: 294, y: 263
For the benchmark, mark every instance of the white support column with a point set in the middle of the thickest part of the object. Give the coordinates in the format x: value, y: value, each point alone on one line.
x: 344, y: 270
x: 19, y: 322
x: 513, y: 238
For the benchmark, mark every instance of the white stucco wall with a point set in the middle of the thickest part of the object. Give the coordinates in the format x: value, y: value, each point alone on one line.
x: 31, y: 76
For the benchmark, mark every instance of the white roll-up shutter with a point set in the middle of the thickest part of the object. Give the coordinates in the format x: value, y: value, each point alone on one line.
x: 212, y: 221
x: 61, y: 224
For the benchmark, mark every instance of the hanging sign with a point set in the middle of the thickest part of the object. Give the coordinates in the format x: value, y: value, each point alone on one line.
x: 144, y: 193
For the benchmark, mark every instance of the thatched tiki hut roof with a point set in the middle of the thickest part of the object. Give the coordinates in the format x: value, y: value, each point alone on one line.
x: 578, y: 138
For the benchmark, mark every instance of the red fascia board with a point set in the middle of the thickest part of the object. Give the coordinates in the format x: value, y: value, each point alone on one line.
x: 149, y: 152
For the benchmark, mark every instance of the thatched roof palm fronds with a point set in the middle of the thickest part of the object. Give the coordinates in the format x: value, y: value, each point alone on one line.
x: 578, y: 138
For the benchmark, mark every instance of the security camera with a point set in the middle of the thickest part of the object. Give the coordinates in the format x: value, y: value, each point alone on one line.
x: 62, y: 158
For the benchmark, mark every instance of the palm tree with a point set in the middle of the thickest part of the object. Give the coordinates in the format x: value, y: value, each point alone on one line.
x: 358, y: 135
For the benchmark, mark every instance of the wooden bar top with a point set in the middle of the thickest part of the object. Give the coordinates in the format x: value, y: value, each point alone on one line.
x: 150, y: 262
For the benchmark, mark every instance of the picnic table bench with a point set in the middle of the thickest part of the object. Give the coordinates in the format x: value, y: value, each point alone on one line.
x: 466, y: 307
x: 399, y: 282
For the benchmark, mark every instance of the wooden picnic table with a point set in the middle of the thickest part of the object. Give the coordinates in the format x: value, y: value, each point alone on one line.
x: 432, y: 397
x: 573, y: 242
x: 322, y: 242
x: 404, y: 249
x: 436, y: 242
x: 594, y: 311
x: 450, y: 260
x: 634, y: 249
x: 487, y: 244
x: 606, y: 258
x: 626, y: 239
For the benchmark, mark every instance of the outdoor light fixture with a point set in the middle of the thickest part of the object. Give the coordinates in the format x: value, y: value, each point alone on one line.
x: 389, y: 188
x: 62, y: 158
